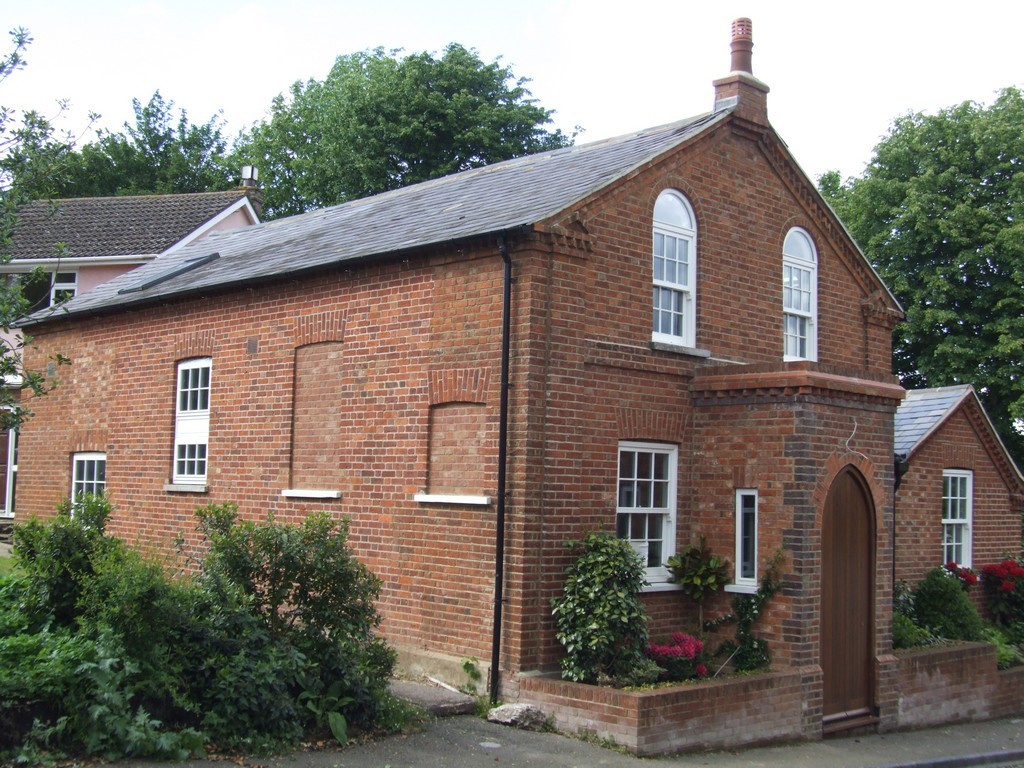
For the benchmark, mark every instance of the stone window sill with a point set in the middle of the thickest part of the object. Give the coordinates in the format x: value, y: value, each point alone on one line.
x: 444, y: 498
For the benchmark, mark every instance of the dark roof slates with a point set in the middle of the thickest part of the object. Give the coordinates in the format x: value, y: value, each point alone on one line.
x: 498, y: 197
x: 141, y: 225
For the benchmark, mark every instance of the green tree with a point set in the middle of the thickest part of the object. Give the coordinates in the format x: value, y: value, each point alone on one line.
x: 379, y: 121
x: 32, y: 156
x: 162, y: 153
x: 940, y: 212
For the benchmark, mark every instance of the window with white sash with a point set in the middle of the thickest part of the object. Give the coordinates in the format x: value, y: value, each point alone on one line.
x: 192, y: 422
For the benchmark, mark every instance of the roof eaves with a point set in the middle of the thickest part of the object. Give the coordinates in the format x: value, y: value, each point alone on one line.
x: 128, y: 297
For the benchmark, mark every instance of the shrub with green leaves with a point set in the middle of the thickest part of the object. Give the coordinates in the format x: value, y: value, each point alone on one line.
x: 58, y: 558
x: 601, y: 621
x: 906, y: 632
x: 308, y: 587
x: 101, y: 653
x: 943, y: 608
x: 699, y: 573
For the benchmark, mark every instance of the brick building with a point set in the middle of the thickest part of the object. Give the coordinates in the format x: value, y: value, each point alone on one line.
x: 959, y: 494
x: 477, y: 369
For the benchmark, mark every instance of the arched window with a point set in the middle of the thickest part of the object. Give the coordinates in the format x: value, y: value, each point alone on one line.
x: 675, y: 270
x: 799, y: 296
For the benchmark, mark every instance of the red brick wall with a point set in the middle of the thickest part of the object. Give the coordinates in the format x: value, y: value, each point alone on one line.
x: 360, y: 426
x: 958, y: 444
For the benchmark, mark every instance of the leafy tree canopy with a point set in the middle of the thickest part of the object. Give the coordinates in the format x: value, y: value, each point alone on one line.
x: 940, y: 212
x: 380, y: 121
x: 163, y: 153
x: 31, y: 155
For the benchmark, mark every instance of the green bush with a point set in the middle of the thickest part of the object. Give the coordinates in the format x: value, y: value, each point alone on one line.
x: 309, y: 588
x: 942, y: 607
x: 57, y: 559
x: 1008, y: 652
x: 699, y: 573
x: 906, y: 634
x: 601, y: 622
x: 102, y: 654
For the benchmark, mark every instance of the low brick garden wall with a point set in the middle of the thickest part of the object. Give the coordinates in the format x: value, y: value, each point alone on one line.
x: 956, y: 684
x: 934, y: 686
x: 731, y: 712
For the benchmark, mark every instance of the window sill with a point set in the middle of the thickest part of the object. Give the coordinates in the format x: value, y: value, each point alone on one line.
x: 680, y: 349
x: 442, y: 498
x: 742, y: 589
x: 186, y: 487
x: 661, y: 586
x: 303, y: 493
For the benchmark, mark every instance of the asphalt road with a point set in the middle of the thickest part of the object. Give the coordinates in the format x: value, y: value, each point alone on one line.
x: 465, y: 741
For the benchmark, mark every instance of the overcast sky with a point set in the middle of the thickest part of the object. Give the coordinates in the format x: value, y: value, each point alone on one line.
x: 838, y: 72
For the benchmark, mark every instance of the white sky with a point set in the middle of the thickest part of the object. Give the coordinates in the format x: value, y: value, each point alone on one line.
x: 839, y: 71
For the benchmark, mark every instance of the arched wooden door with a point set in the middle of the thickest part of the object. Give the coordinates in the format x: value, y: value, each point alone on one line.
x: 847, y: 600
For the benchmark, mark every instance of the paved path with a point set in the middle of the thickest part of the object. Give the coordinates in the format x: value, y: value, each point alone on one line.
x: 467, y: 741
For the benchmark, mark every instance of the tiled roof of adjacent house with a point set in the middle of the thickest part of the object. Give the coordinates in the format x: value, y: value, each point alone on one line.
x: 113, y: 226
x: 921, y: 413
x: 496, y: 198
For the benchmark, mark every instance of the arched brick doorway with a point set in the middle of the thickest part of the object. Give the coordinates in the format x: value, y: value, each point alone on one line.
x: 847, y: 602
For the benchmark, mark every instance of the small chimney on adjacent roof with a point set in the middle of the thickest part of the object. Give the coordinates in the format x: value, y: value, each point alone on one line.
x: 740, y: 90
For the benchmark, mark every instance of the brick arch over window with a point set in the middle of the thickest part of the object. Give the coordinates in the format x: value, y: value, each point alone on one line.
x: 322, y: 414
x: 189, y: 345
x: 647, y: 424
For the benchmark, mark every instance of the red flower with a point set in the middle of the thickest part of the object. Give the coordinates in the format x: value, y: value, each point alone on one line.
x: 1007, y: 586
x: 701, y: 670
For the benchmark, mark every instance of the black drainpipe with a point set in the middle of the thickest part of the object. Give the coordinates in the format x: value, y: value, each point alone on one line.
x: 900, y: 467
x: 499, y: 537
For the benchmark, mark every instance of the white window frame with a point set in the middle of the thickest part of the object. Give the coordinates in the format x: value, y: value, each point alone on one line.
x: 88, y: 474
x: 747, y: 511
x: 192, y: 391
x: 957, y: 516
x: 675, y: 281
x: 64, y: 287
x: 12, y: 472
x: 637, y: 495
x: 799, y: 296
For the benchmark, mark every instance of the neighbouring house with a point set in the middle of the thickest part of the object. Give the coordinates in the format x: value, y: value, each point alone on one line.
x: 62, y: 248
x: 667, y: 334
x: 959, y: 495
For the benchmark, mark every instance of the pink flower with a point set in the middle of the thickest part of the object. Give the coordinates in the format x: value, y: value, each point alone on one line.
x: 701, y: 670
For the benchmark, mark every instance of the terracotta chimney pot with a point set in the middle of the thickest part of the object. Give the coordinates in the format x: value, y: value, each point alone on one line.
x: 740, y: 91
x: 742, y: 45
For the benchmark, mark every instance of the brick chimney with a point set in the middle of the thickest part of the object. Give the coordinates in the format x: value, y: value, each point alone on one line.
x: 740, y: 89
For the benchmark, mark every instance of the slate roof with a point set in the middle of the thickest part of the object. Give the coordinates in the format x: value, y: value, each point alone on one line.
x: 145, y: 225
x: 496, y: 198
x: 922, y: 412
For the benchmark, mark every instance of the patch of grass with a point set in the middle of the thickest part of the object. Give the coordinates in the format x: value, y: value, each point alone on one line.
x: 6, y: 565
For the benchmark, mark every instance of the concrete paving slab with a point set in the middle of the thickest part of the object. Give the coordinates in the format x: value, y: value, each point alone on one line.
x: 433, y: 699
